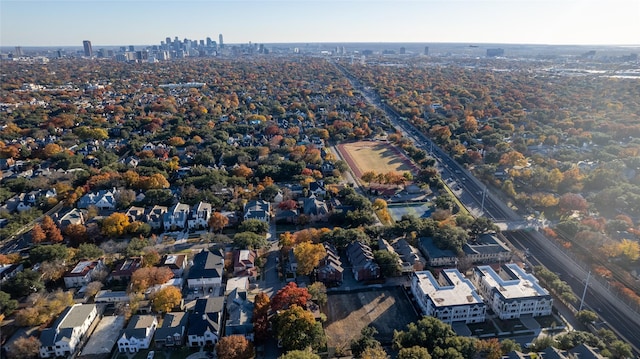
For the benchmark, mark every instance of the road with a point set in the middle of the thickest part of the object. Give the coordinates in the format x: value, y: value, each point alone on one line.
x: 621, y: 319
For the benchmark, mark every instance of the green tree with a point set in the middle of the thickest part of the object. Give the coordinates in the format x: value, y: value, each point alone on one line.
x: 249, y: 240
x: 48, y: 253
x: 88, y: 251
x: 254, y: 225
x: 586, y: 316
x: 428, y: 332
x: 366, y: 340
x: 7, y: 305
x: 318, y: 293
x: 24, y: 283
x: 297, y: 329
x: 414, y: 352
x: 389, y: 263
x: 300, y: 354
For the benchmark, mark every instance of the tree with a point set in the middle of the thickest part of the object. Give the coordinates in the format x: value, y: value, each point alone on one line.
x: 299, y: 354
x: 297, y: 329
x: 374, y: 353
x: 37, y: 234
x: 144, y: 278
x: 509, y: 345
x: 88, y: 251
x: 414, y: 352
x: 290, y: 295
x: 572, y: 202
x: 7, y: 305
x: 25, y: 347
x: 365, y: 341
x: 261, y: 304
x: 93, y: 288
x: 136, y: 246
x: 166, y: 299
x: 318, y: 292
x: 51, y: 230
x: 620, y: 350
x: 24, y: 283
x: 389, y: 263
x: 150, y: 258
x: 218, y: 221
x: 52, y: 271
x: 249, y: 240
x: 115, y: 225
x: 235, y: 347
x: 76, y: 233
x: 308, y: 256
x: 48, y: 253
x: 586, y: 317
x: 254, y: 225
x: 428, y: 332
x: 482, y: 225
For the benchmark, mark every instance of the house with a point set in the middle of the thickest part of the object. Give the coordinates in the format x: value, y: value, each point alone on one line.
x: 239, y: 283
x: 260, y: 210
x: 125, y: 269
x: 137, y: 335
x: 176, y: 262
x: 173, y: 331
x: 103, y: 200
x: 176, y: 217
x: 136, y: 214
x: 437, y: 257
x: 8, y: 271
x: 207, y: 271
x: 83, y: 273
x: 199, y: 216
x: 74, y: 216
x: 154, y: 216
x: 317, y: 188
x: 62, y: 339
x: 239, y: 314
x: 109, y: 296
x: 244, y: 263
x: 206, y: 322
x: 410, y: 257
x: 487, y: 249
x: 316, y: 209
x: 451, y: 297
x: 287, y: 216
x: 363, y: 265
x: 330, y: 270
x: 512, y: 292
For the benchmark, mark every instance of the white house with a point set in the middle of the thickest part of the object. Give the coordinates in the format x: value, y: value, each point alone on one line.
x: 206, y: 322
x: 138, y: 334
x: 260, y: 210
x: 62, y: 339
x: 176, y: 217
x: 512, y: 292
x: 199, y: 216
x: 450, y: 298
x: 103, y: 199
x: 83, y: 273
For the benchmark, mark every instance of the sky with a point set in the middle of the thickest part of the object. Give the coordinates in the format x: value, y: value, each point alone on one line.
x: 147, y: 22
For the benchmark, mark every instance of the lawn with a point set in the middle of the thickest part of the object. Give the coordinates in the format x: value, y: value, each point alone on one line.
x: 509, y: 325
x: 384, y: 309
x: 378, y: 157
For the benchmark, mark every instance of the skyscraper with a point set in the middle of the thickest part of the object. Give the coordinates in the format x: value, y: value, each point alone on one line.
x: 88, y: 50
x: 220, y: 41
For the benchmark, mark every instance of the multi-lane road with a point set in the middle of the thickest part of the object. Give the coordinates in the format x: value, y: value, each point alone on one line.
x: 474, y: 195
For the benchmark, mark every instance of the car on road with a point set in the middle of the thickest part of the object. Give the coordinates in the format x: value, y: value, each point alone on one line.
x: 151, y: 354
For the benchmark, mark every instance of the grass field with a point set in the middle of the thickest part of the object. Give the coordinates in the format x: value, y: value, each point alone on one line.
x: 378, y: 157
x: 384, y: 309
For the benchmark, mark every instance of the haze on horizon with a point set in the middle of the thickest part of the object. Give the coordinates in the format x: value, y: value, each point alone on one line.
x: 147, y: 22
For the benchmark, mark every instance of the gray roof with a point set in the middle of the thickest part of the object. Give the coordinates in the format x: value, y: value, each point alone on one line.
x: 207, y: 264
x: 77, y: 315
x: 487, y: 244
x: 173, y: 323
x: 72, y: 317
x: 434, y: 252
x: 138, y: 325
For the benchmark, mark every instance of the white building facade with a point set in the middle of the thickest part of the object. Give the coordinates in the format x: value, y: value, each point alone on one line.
x: 450, y: 298
x: 512, y: 292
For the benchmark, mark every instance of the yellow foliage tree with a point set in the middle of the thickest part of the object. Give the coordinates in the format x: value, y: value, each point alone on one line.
x: 115, y: 225
x: 166, y: 299
x: 308, y: 255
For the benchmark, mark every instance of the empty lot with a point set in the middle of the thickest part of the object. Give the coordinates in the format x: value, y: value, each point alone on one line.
x: 385, y: 309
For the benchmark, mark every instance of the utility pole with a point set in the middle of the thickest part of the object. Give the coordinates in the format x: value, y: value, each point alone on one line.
x: 484, y: 194
x: 584, y: 293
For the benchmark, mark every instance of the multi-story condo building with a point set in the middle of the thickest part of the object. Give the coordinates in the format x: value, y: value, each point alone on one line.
x: 451, y: 297
x: 512, y: 292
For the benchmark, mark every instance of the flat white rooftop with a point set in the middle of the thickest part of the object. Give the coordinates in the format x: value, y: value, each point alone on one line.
x: 512, y: 282
x: 451, y: 289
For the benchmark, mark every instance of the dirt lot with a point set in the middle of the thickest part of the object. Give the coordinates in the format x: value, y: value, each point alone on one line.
x: 385, y: 309
x: 373, y: 156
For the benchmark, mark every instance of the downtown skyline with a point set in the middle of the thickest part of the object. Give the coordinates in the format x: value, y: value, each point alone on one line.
x: 569, y: 22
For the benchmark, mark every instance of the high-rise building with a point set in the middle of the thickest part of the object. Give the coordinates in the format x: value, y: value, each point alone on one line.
x: 88, y: 50
x: 426, y: 50
x: 18, y: 51
x: 220, y: 42
x: 209, y: 42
